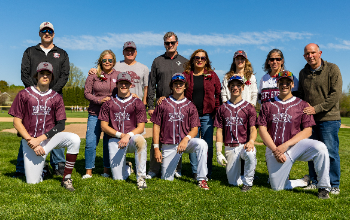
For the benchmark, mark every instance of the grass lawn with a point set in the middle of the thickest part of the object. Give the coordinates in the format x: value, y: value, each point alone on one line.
x: 345, y: 121
x: 104, y: 198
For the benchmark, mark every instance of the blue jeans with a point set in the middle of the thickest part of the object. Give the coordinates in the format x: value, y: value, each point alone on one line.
x: 205, y: 131
x: 93, y: 134
x: 327, y: 132
x: 56, y: 156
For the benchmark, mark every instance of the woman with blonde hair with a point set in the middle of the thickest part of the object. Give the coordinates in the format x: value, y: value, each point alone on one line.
x: 242, y: 67
x: 98, y: 89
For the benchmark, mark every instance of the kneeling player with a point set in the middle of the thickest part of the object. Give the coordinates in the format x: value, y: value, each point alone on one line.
x: 285, y: 129
x: 175, y: 123
x: 39, y: 117
x: 236, y: 120
x: 123, y: 118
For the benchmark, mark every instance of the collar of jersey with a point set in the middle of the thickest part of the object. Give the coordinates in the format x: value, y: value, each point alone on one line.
x: 235, y: 105
x: 40, y: 93
x: 177, y: 101
x: 287, y: 101
x: 123, y: 100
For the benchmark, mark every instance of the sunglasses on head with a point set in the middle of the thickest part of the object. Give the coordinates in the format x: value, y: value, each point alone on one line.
x: 44, y: 31
x: 285, y: 73
x: 105, y: 60
x: 177, y: 77
x: 200, y: 58
x: 277, y: 59
x: 170, y: 42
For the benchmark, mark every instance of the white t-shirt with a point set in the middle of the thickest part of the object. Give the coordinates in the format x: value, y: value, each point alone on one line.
x: 139, y: 76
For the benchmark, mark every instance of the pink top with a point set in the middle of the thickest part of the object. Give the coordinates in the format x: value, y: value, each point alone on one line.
x: 96, y: 90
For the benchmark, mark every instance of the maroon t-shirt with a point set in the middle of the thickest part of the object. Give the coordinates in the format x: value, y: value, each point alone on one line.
x: 123, y: 114
x: 39, y: 111
x: 235, y: 121
x: 175, y: 118
x: 284, y: 119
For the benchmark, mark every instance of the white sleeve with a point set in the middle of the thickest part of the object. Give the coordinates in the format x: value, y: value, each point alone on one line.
x: 254, y: 90
x: 225, y: 96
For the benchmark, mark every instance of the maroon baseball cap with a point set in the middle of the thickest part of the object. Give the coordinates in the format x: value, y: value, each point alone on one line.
x: 129, y: 44
x: 240, y: 53
x: 45, y: 66
x: 123, y: 76
x: 178, y: 77
x: 285, y: 74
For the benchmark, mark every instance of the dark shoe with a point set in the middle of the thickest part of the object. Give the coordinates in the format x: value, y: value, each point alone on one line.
x: 323, y: 194
x: 68, y: 184
x: 246, y: 188
x: 60, y: 170
x: 18, y: 174
x: 195, y: 176
x: 46, y: 171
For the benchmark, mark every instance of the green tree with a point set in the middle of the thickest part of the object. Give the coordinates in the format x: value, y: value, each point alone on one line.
x: 3, y: 86
x: 76, y: 77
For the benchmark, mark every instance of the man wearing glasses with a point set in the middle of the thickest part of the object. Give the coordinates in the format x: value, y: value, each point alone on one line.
x: 45, y: 51
x: 163, y: 68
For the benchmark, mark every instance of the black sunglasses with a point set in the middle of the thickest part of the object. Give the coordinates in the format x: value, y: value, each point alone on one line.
x: 170, y: 42
x: 47, y: 31
x: 200, y: 58
x: 277, y: 59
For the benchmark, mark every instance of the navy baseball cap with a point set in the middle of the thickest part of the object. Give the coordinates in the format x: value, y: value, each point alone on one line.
x: 178, y: 77
x: 285, y: 74
x: 124, y: 77
x: 236, y: 77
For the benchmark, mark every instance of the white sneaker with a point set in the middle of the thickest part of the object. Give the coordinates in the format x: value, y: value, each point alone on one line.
x: 141, y: 183
x: 335, y: 191
x: 86, y: 176
x: 178, y: 174
x: 310, y: 187
x: 150, y: 175
x: 105, y: 175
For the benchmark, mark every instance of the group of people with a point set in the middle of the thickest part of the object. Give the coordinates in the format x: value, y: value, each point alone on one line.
x: 185, y: 101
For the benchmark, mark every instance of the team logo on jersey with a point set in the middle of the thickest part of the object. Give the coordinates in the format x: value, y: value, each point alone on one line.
x: 121, y: 116
x: 281, y: 117
x: 176, y: 116
x: 56, y: 55
x: 41, y: 110
x: 178, y: 63
x: 233, y: 121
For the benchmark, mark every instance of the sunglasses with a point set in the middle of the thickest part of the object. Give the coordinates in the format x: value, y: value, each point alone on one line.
x: 177, y: 77
x: 105, y: 60
x: 285, y: 73
x: 273, y: 59
x: 170, y: 42
x: 200, y: 58
x: 47, y: 31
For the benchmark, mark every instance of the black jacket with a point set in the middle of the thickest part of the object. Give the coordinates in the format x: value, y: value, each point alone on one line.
x: 56, y: 56
x: 162, y: 70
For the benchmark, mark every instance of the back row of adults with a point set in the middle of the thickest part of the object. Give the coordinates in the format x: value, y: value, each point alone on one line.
x: 319, y: 84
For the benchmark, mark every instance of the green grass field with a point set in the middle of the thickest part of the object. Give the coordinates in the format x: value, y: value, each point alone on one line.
x: 101, y: 198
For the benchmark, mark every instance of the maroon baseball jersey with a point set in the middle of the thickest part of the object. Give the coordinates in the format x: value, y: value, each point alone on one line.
x: 123, y: 114
x: 284, y: 119
x: 235, y: 121
x: 38, y: 111
x: 175, y: 118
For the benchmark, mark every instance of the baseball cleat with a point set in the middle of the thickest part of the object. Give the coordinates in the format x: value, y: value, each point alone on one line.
x: 67, y: 183
x: 86, y: 176
x: 306, y: 179
x: 178, y: 174
x: 128, y: 163
x: 335, y: 191
x: 105, y: 175
x: 310, y: 187
x: 323, y: 194
x: 150, y: 175
x: 60, y: 170
x: 141, y: 183
x: 246, y: 188
x: 203, y: 184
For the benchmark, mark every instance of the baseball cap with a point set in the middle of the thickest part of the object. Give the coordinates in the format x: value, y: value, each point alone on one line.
x: 178, y: 77
x: 129, y: 44
x: 123, y: 76
x: 46, y: 24
x: 45, y: 66
x: 236, y: 77
x: 285, y: 74
x: 240, y: 53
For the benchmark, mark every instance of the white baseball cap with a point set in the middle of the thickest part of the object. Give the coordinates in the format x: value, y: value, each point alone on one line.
x: 46, y: 24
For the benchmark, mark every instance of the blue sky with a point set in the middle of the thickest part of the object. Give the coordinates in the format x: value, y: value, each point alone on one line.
x: 85, y: 28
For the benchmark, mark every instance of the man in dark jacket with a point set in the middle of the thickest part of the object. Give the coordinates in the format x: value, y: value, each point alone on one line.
x: 163, y: 68
x: 320, y: 84
x: 45, y: 51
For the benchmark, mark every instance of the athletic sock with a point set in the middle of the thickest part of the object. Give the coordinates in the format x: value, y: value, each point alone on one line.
x: 70, y: 161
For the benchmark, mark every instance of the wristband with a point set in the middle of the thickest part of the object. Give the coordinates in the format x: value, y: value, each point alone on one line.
x: 118, y: 134
x: 155, y: 145
x: 131, y: 134
x: 189, y: 137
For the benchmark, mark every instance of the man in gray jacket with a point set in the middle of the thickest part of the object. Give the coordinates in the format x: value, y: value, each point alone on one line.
x: 320, y: 84
x: 162, y: 69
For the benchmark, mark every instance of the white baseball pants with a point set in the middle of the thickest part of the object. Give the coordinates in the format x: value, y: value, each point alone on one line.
x: 34, y: 164
x: 171, y: 158
x: 233, y: 166
x: 138, y: 145
x: 304, y: 150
